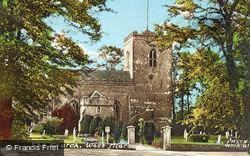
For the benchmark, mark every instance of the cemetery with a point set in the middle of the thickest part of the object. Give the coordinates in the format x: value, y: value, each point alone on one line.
x: 107, y: 133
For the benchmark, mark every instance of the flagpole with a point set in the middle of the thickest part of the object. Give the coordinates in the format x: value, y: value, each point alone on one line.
x: 147, y: 14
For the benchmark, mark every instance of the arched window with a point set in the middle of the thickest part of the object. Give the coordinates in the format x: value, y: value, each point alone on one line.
x: 152, y: 58
x: 98, y: 109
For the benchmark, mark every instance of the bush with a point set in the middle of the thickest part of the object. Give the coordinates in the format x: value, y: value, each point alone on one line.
x: 70, y: 120
x: 38, y: 129
x: 118, y: 132
x: 19, y: 130
x: 110, y: 122
x: 51, y: 125
x: 85, y: 124
x: 93, y: 127
x: 198, y: 137
x: 124, y: 134
x: 149, y: 131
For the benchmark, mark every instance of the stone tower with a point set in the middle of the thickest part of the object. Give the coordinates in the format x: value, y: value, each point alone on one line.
x: 150, y: 70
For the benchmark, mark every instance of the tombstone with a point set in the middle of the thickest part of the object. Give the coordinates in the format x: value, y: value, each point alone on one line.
x: 219, y: 139
x: 204, y: 133
x: 185, y: 131
x: 66, y: 132
x: 200, y: 132
x: 166, y: 137
x: 227, y: 134
x: 43, y: 135
x: 231, y: 133
x: 74, y: 134
x: 107, y: 130
x: 131, y: 135
x: 236, y: 134
x: 102, y: 137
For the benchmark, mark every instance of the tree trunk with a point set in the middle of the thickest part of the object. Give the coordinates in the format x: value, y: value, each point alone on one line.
x: 6, y: 118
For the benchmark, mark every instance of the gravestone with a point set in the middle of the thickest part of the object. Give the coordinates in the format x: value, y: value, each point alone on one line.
x: 227, y: 135
x: 166, y: 137
x: 219, y: 139
x: 74, y: 134
x: 107, y: 130
x: 236, y: 135
x: 43, y: 135
x: 66, y: 132
x: 131, y: 135
x: 102, y: 137
x: 185, y: 135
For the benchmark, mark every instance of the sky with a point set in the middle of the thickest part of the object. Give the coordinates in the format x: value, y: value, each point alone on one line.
x: 130, y: 16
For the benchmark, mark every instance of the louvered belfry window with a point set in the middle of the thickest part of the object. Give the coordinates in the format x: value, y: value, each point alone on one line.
x: 152, y: 58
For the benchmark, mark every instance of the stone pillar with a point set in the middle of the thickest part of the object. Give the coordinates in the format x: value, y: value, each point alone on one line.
x: 166, y: 137
x: 131, y: 135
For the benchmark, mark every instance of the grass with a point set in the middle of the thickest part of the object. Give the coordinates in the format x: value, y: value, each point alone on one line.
x: 180, y: 140
x: 70, y: 139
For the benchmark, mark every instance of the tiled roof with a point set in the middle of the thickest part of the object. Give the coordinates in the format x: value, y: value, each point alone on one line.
x: 112, y: 75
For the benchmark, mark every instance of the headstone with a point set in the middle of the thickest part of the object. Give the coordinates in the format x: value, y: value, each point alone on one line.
x: 231, y: 133
x: 219, y: 139
x: 185, y: 135
x: 43, y: 135
x: 200, y: 132
x: 102, y: 137
x: 74, y: 134
x: 227, y: 135
x: 236, y: 135
x: 66, y: 132
x: 166, y: 137
x: 107, y: 130
x: 131, y: 135
x: 204, y: 133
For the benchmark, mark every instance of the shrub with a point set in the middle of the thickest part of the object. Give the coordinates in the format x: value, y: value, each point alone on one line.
x: 93, y: 127
x: 110, y: 122
x: 85, y: 124
x: 198, y: 137
x: 70, y: 120
x: 101, y: 127
x: 149, y: 131
x: 38, y: 129
x: 118, y: 132
x: 51, y: 124
x: 124, y: 134
x: 19, y: 130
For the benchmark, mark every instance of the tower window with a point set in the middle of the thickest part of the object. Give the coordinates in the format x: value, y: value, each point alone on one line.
x: 152, y: 58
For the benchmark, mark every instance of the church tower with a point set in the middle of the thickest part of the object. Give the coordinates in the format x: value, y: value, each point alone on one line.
x: 150, y: 70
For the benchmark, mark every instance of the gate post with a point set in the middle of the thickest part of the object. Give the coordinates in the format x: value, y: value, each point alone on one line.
x: 131, y: 135
x: 166, y: 137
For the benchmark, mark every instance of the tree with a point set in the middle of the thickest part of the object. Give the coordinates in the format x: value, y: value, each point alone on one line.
x: 34, y: 62
x: 221, y: 26
x: 112, y: 58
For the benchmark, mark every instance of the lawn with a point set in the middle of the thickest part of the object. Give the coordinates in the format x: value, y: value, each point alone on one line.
x: 70, y: 139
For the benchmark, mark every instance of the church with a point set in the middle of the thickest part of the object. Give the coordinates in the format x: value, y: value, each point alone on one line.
x: 141, y: 90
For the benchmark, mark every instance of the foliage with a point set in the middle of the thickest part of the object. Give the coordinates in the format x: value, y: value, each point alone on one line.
x: 198, y: 137
x: 124, y: 134
x: 149, y: 132
x: 38, y: 129
x: 141, y: 125
x: 68, y: 114
x: 20, y: 130
x: 118, y: 132
x: 51, y: 124
x: 216, y: 31
x: 112, y: 58
x: 110, y: 122
x: 93, y: 127
x: 85, y: 124
x: 36, y: 63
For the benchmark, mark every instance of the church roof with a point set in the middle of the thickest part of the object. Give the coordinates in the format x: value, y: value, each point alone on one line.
x: 112, y: 75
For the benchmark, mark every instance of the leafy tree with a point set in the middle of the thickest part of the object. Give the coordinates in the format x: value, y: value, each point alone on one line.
x: 112, y: 58
x: 34, y: 62
x: 218, y: 25
x: 68, y: 114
